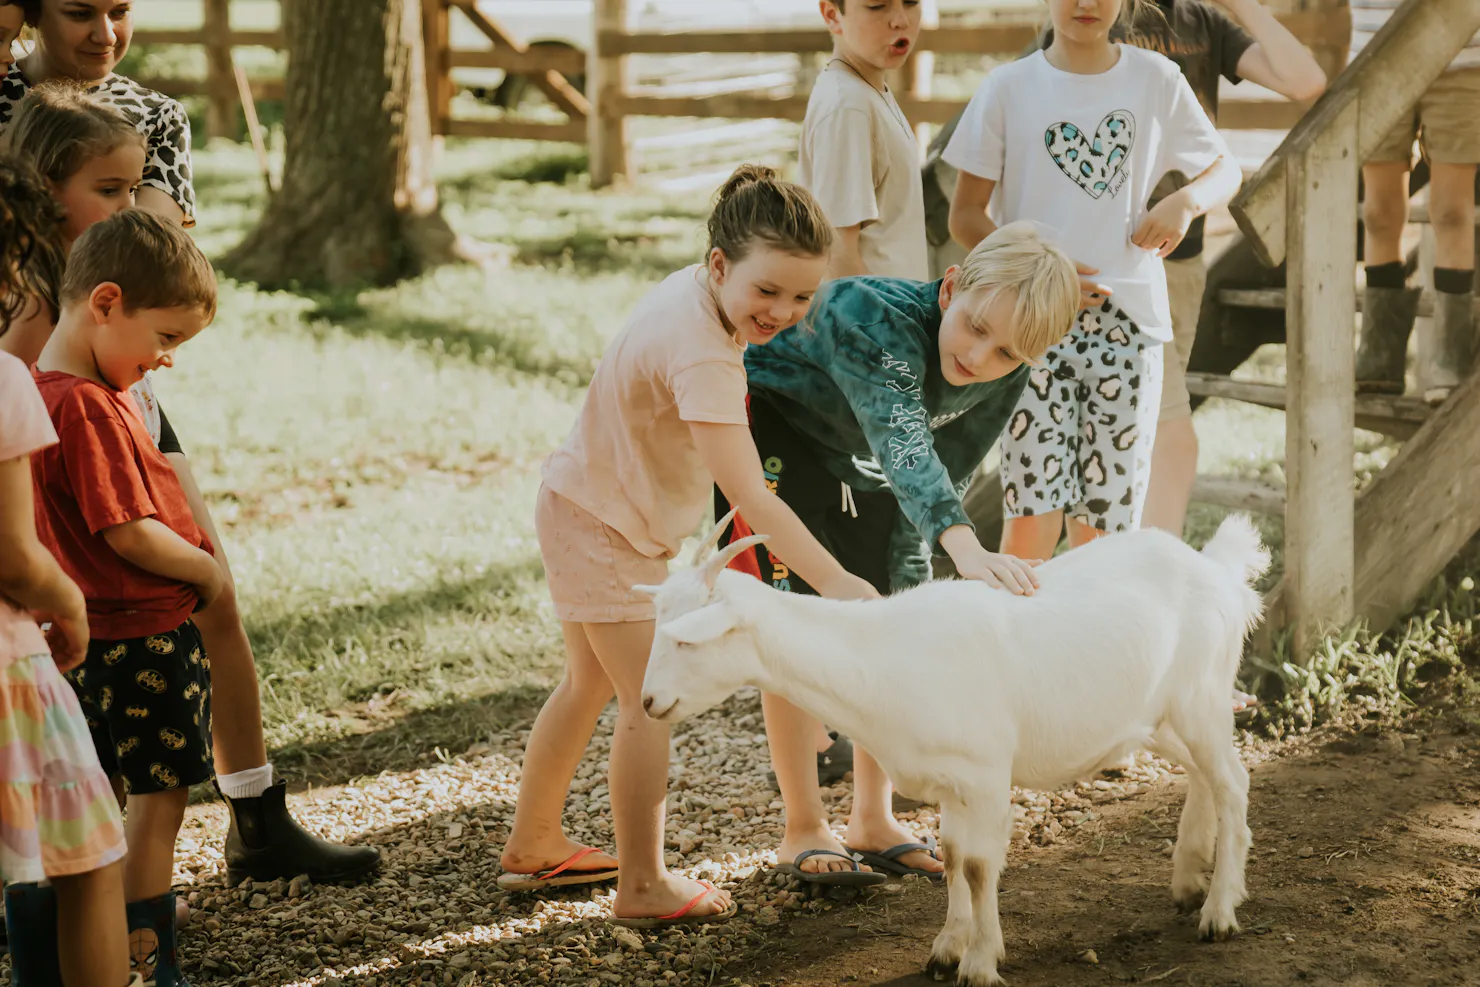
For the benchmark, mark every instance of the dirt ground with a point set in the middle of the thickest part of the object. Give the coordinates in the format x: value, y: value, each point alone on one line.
x: 1365, y: 871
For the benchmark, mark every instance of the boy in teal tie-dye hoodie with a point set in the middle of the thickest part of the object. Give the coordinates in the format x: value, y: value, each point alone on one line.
x: 870, y: 420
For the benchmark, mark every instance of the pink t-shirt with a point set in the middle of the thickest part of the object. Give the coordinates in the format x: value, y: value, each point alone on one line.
x: 24, y: 427
x: 630, y: 459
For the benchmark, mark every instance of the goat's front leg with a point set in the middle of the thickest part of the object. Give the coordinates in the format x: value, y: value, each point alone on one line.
x: 952, y: 940
x: 977, y: 834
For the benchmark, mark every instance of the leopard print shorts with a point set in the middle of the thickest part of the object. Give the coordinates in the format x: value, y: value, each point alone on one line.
x: 1080, y: 439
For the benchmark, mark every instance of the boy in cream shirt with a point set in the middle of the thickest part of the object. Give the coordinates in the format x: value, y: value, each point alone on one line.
x: 859, y: 159
x: 858, y: 153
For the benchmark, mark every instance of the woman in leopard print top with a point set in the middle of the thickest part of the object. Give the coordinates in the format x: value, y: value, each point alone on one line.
x: 85, y: 40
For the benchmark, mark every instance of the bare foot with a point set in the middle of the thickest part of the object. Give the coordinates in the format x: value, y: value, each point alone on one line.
x: 880, y: 836
x: 533, y: 859
x: 666, y: 896
x: 794, y: 844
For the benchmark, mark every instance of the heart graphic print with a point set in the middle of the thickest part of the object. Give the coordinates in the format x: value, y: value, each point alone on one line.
x: 1096, y: 163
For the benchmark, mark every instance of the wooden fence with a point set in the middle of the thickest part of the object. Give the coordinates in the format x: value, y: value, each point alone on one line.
x: 598, y: 114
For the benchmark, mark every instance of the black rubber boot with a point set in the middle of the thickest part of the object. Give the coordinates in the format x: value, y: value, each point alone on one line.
x: 266, y: 843
x: 832, y: 764
x: 1454, y: 332
x: 31, y: 926
x: 153, y: 941
x: 1387, y: 322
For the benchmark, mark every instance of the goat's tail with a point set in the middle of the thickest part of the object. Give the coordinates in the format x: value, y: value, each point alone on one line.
x: 1237, y: 548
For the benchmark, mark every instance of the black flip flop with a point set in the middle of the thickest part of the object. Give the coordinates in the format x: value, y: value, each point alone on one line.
x: 855, y: 878
x: 888, y: 860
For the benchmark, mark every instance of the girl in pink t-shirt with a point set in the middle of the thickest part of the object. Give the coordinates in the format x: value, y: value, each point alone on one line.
x: 664, y: 420
x: 61, y: 820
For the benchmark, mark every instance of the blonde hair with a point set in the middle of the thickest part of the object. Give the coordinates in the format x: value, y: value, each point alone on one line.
x: 1019, y: 258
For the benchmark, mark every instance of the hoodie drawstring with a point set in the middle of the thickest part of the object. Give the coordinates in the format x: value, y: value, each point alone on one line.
x: 849, y: 507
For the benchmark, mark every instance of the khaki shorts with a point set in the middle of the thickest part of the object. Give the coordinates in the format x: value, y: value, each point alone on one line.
x: 1186, y: 280
x: 590, y: 567
x: 1447, y: 118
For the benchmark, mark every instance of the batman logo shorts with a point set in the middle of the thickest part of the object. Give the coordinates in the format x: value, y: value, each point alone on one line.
x: 148, y: 705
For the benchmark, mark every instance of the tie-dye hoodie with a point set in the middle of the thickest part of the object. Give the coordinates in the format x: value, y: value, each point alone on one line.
x: 860, y: 377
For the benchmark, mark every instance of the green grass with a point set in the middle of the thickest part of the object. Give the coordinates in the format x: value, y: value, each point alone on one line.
x: 372, y: 457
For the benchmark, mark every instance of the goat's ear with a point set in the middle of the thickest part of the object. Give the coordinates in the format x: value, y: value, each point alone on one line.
x: 646, y: 590
x: 706, y: 547
x: 713, y: 567
x: 703, y: 625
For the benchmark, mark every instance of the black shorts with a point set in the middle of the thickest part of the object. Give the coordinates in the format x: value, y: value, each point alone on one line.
x: 147, y: 701
x: 855, y: 528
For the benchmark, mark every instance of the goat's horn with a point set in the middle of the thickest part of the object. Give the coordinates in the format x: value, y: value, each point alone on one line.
x: 701, y: 554
x: 716, y: 565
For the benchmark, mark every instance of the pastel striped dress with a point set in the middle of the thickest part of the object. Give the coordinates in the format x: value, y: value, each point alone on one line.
x: 58, y: 816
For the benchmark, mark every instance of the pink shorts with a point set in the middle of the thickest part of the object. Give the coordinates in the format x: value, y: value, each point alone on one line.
x: 590, y: 567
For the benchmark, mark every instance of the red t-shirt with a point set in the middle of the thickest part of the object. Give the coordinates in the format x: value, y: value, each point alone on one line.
x: 105, y: 471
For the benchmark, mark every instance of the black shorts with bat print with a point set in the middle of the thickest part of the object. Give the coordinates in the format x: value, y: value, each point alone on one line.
x: 147, y: 701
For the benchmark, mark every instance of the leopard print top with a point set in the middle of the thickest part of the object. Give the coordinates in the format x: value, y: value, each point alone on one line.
x: 161, y: 120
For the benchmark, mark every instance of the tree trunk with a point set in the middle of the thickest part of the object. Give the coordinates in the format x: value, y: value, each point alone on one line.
x: 358, y: 204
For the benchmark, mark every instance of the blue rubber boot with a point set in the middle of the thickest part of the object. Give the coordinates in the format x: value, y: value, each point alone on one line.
x: 31, y: 925
x: 151, y: 941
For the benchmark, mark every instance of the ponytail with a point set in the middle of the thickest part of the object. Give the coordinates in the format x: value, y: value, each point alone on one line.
x: 754, y: 204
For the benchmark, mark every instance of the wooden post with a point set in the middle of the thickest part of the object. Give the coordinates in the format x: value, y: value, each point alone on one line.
x: 606, y: 127
x: 1321, y: 184
x: 919, y: 77
x: 436, y: 31
x: 220, y: 76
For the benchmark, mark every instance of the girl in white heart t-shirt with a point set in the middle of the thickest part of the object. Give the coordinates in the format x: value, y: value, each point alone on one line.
x: 1076, y: 136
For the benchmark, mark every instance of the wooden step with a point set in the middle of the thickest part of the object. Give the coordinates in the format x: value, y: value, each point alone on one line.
x: 1382, y: 413
x: 1239, y: 494
x: 1274, y: 298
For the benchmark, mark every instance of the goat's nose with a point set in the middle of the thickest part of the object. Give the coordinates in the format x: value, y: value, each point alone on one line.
x: 647, y: 704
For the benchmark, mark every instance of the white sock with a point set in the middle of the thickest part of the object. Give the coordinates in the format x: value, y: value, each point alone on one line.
x: 248, y: 784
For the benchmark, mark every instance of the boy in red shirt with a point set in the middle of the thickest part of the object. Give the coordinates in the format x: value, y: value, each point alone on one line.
x: 111, y: 509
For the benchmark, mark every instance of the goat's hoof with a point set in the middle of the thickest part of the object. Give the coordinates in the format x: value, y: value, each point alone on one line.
x: 1188, y: 902
x: 942, y: 969
x: 980, y: 975
x: 1217, y: 931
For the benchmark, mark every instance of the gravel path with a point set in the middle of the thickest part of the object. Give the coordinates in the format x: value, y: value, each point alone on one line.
x: 436, y: 916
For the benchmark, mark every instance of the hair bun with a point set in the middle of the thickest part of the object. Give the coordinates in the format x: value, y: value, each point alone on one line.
x: 746, y: 174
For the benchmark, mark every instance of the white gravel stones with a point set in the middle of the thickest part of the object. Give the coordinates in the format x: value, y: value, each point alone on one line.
x: 434, y: 915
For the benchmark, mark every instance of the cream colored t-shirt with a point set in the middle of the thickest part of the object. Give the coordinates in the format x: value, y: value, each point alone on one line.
x: 859, y: 158
x: 630, y: 459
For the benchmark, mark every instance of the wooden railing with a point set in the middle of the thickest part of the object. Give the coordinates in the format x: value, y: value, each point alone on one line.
x: 1346, y: 556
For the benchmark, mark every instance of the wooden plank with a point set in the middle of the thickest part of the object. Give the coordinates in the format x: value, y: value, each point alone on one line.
x: 566, y: 61
x: 220, y: 75
x: 1389, y: 406
x: 1274, y: 298
x: 262, y: 89
x: 1390, y: 75
x: 199, y: 36
x: 1238, y: 494
x: 1319, y: 443
x: 573, y: 132
x: 1259, y: 114
x: 556, y: 87
x: 986, y: 39
x: 735, y: 106
x: 606, y: 84
x: 1420, y: 510
x: 436, y: 31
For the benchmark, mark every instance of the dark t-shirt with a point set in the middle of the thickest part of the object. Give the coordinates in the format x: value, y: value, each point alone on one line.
x: 1205, y: 43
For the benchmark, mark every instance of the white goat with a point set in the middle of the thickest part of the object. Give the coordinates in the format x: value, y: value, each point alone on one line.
x: 962, y: 691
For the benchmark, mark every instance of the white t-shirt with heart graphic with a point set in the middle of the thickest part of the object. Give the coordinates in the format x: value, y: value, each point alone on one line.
x: 1082, y: 153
